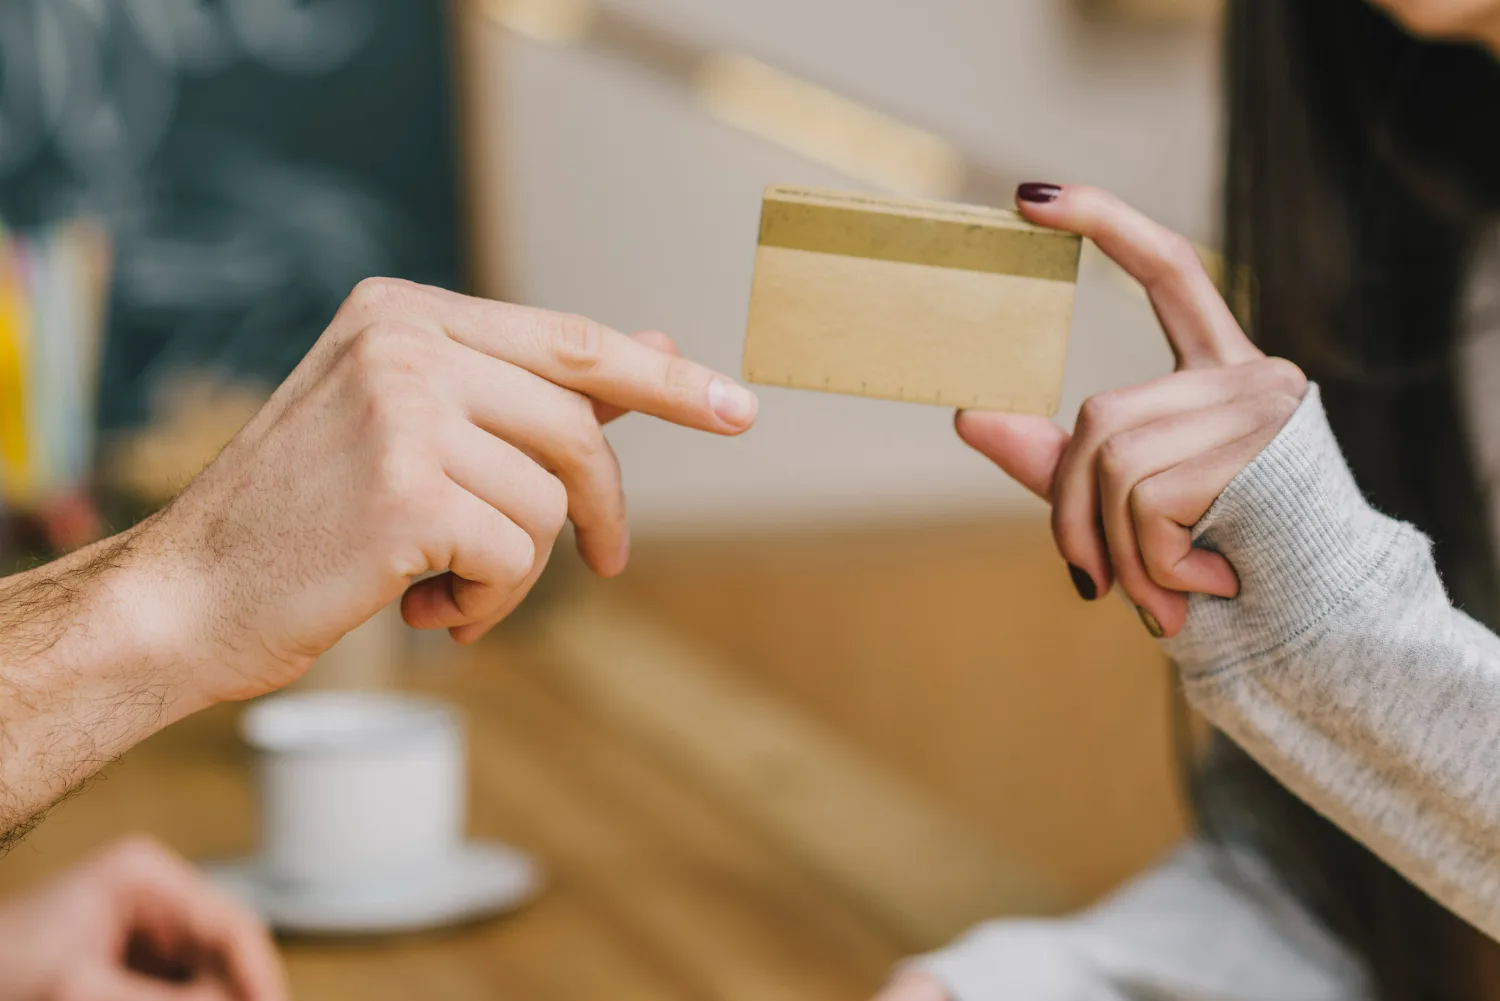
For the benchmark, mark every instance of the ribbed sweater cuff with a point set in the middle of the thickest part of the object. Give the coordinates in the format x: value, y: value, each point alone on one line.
x: 1302, y: 539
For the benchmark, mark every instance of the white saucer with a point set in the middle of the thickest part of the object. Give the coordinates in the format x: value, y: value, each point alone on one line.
x: 481, y: 880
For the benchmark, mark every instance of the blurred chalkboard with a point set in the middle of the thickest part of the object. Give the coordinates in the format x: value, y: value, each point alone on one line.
x: 253, y: 159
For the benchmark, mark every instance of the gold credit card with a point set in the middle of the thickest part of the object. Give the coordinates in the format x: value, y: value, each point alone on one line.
x: 929, y: 302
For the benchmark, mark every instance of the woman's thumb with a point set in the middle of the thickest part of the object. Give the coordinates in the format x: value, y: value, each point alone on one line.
x: 1027, y: 447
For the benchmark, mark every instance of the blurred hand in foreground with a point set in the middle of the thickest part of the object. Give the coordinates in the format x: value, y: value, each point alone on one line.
x: 134, y: 923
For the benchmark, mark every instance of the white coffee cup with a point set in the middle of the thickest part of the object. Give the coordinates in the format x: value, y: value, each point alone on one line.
x: 356, y: 786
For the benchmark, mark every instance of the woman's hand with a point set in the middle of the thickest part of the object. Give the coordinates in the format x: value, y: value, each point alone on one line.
x: 135, y: 923
x: 426, y: 432
x: 1144, y: 464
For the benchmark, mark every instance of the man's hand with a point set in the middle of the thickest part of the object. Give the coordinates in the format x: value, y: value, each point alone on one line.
x: 1145, y: 463
x: 426, y: 432
x: 134, y: 923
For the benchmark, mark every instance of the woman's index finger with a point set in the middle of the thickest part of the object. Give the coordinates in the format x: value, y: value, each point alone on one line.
x: 1199, y: 325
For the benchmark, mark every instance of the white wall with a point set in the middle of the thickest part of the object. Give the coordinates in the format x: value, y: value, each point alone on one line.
x: 623, y: 201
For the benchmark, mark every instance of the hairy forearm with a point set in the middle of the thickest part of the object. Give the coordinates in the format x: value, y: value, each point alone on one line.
x: 87, y: 668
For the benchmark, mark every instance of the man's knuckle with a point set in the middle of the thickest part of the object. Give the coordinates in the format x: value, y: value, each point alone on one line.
x: 379, y: 294
x: 405, y: 482
x: 583, y: 438
x: 577, y: 341
x: 681, y: 377
x: 379, y: 354
x: 387, y: 364
x: 520, y: 556
x: 387, y: 341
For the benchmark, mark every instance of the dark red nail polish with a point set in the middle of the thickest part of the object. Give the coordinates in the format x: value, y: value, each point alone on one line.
x: 1035, y: 191
x: 1149, y: 621
x: 1087, y: 590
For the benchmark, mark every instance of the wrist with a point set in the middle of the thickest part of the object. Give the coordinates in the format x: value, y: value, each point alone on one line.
x: 161, y: 603
x: 93, y: 661
x: 135, y: 629
x: 195, y: 618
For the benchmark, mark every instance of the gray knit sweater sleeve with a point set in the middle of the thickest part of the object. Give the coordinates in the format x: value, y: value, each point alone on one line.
x: 1344, y: 669
x: 1204, y: 925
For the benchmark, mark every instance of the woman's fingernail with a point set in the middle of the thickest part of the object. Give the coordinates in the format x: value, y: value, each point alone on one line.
x: 1149, y: 621
x: 1087, y: 589
x: 1036, y: 191
x: 733, y: 403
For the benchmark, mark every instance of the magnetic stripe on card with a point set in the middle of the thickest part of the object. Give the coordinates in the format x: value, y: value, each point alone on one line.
x: 912, y: 239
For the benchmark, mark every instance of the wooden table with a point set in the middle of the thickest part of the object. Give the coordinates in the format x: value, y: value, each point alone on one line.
x: 656, y: 890
x: 757, y: 769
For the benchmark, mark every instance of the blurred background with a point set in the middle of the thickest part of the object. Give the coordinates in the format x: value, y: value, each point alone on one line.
x: 845, y: 702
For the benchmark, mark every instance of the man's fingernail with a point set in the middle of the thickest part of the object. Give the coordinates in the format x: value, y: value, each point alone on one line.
x: 1087, y: 589
x: 1036, y: 191
x: 1149, y: 621
x: 733, y: 403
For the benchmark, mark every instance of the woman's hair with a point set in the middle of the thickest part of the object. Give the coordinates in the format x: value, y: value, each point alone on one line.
x: 1363, y: 168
